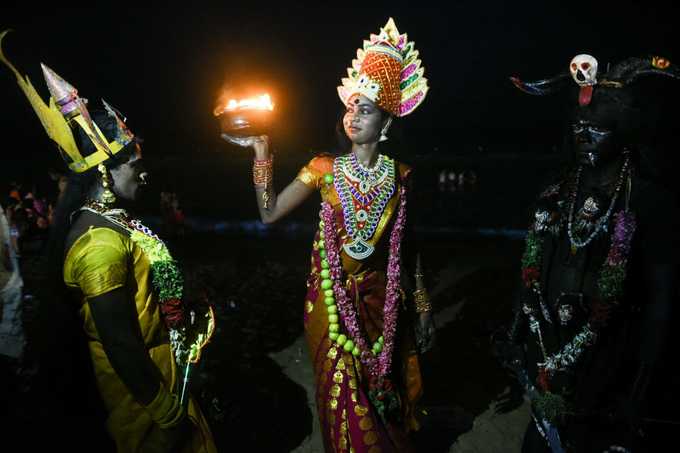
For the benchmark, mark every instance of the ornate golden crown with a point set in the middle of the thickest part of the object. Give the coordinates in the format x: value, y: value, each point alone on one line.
x: 387, y: 71
x: 65, y: 110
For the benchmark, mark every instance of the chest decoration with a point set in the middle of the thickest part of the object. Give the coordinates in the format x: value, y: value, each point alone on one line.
x: 188, y: 334
x: 585, y: 226
x: 364, y: 194
x: 610, y: 283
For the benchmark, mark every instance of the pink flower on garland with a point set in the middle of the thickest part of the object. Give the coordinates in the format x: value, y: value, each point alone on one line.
x: 173, y: 312
x: 624, y: 227
x: 530, y: 276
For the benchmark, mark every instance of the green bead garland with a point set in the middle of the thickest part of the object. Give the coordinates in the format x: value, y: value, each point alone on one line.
x: 348, y: 346
x: 326, y: 283
x: 329, y: 300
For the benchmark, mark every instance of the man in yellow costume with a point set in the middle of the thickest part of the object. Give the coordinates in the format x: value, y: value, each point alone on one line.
x: 142, y: 339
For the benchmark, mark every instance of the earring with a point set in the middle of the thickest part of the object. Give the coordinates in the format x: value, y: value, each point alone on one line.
x: 107, y: 197
x: 383, y: 132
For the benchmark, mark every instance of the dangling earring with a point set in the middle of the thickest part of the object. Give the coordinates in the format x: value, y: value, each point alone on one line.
x: 383, y: 132
x: 107, y: 197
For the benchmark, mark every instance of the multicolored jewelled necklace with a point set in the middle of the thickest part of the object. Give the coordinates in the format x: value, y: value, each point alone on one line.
x: 364, y: 194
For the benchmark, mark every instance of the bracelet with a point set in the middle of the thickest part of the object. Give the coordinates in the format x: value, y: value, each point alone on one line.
x: 263, y: 172
x: 422, y: 301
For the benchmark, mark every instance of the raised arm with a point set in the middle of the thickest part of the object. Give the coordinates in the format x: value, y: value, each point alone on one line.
x: 272, y: 206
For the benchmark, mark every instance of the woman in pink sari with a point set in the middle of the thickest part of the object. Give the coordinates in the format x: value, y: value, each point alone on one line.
x: 358, y: 323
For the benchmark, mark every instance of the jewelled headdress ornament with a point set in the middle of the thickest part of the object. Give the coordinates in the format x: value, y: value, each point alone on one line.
x: 583, y: 69
x: 66, y: 110
x: 388, y: 72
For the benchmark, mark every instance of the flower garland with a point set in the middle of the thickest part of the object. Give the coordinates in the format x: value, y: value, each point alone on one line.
x: 166, y: 279
x: 167, y: 282
x: 378, y: 359
x: 610, y: 287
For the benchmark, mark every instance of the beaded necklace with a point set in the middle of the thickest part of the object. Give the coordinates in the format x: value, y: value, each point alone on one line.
x: 601, y: 224
x: 364, y: 194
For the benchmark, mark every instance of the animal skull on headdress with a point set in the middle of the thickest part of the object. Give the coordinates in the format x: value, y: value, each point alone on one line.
x: 583, y: 69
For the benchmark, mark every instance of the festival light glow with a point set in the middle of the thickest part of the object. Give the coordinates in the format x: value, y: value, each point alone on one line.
x: 262, y: 102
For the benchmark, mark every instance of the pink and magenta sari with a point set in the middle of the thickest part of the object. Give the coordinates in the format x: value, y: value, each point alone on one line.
x: 349, y: 422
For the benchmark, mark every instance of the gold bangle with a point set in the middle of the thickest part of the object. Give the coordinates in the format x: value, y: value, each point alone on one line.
x: 422, y: 301
x: 263, y: 172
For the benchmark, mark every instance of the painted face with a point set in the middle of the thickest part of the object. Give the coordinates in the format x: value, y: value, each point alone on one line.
x: 593, y: 144
x: 363, y: 120
x: 129, y: 177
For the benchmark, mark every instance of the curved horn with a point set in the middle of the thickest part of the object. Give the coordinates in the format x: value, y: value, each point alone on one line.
x: 630, y: 69
x: 543, y: 87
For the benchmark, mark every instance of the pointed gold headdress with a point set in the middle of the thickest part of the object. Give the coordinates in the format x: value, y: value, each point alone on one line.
x: 66, y: 110
x: 388, y: 72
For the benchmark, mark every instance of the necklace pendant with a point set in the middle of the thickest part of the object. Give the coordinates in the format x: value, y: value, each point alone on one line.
x: 362, y: 216
x: 574, y: 249
x: 590, y: 209
x: 566, y: 313
x: 358, y: 249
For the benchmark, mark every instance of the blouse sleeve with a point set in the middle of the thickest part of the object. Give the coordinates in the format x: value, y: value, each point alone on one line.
x: 98, y: 262
x: 312, y: 174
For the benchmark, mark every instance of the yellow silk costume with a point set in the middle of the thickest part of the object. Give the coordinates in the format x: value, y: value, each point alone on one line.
x: 99, y: 261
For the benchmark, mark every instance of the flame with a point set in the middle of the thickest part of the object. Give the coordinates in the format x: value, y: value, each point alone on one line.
x: 262, y: 102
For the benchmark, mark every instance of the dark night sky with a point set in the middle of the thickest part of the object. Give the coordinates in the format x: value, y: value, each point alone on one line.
x: 163, y: 66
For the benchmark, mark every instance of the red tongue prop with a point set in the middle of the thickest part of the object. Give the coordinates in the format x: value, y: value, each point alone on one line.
x: 585, y: 95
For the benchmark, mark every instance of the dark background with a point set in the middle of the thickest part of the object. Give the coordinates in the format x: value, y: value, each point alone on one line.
x: 165, y: 66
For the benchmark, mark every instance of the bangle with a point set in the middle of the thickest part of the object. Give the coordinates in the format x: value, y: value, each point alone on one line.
x: 263, y: 172
x: 422, y: 301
